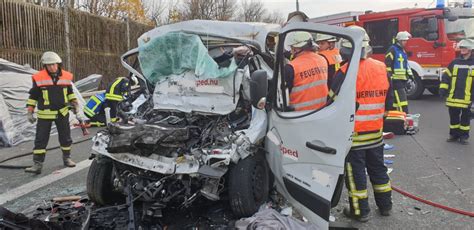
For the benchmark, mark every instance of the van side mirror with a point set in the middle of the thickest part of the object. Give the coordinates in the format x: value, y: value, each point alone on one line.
x: 258, y: 88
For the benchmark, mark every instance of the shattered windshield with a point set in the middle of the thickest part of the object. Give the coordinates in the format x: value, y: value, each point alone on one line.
x: 177, y: 52
x: 459, y: 29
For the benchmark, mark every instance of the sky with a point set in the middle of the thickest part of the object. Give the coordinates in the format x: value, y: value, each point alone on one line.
x: 315, y: 8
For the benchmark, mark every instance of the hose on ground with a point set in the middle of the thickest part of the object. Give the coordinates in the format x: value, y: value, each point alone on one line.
x: 431, y: 203
x: 31, y: 153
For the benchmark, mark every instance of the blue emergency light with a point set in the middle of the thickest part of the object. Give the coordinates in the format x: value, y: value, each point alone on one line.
x: 439, y: 3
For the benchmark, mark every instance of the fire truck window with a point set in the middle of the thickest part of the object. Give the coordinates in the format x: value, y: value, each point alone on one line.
x: 426, y: 28
x: 381, y: 34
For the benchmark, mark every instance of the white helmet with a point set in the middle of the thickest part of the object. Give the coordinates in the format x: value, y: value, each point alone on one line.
x: 403, y: 36
x: 324, y: 37
x: 346, y: 45
x: 50, y: 57
x: 299, y: 39
x: 365, y: 42
x: 466, y: 43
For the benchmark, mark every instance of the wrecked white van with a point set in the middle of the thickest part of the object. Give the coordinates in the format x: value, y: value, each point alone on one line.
x: 212, y: 124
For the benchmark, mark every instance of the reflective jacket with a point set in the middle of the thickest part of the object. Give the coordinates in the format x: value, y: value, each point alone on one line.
x: 396, y: 60
x: 333, y: 58
x: 50, y: 95
x: 94, y: 105
x: 457, y: 81
x: 371, y: 92
x: 117, y: 89
x: 310, y: 88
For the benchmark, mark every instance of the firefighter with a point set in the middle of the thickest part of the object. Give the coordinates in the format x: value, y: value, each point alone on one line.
x: 456, y: 85
x: 117, y: 92
x: 372, y: 100
x: 51, y: 94
x: 94, y: 109
x: 307, y: 73
x: 332, y: 56
x: 398, y: 70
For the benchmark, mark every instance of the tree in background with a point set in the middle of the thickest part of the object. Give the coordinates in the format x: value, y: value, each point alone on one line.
x: 254, y: 11
x: 159, y: 12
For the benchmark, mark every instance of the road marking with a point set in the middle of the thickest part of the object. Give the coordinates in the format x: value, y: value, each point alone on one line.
x: 41, y: 182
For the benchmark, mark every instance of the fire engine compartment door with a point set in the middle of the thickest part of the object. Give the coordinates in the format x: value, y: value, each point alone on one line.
x: 307, y: 149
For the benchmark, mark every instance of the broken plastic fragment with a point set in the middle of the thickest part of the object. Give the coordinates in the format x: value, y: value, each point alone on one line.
x: 388, y: 147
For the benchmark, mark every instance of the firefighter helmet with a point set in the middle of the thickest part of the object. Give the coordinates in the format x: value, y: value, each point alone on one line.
x: 403, y: 36
x: 466, y: 43
x: 300, y: 39
x: 346, y: 45
x: 50, y: 57
x: 365, y: 42
x: 324, y: 37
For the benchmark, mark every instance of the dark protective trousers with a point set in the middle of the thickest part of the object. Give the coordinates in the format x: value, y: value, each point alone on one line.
x: 400, y: 102
x: 43, y: 129
x: 459, y: 122
x: 356, y: 180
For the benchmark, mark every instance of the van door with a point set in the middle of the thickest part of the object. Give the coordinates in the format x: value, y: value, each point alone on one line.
x: 307, y: 149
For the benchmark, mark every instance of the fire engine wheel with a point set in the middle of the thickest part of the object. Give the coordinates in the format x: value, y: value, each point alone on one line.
x: 100, y: 187
x: 414, y: 87
x: 433, y: 91
x: 248, y: 185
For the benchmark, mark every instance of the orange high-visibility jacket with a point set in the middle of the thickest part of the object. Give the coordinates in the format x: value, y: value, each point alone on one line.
x: 51, y: 97
x: 371, y: 91
x: 310, y: 88
x: 333, y: 57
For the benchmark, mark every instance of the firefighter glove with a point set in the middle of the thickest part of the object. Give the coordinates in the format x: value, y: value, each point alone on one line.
x: 30, y: 117
x: 80, y: 117
x: 443, y: 93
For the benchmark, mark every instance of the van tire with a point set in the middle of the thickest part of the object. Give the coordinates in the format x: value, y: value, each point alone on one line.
x: 100, y: 187
x: 249, y: 185
x: 414, y: 87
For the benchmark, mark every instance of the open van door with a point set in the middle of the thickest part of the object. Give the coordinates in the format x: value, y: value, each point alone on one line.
x: 307, y: 149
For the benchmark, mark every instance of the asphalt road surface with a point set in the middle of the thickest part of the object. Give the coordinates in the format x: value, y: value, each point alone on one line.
x: 424, y: 165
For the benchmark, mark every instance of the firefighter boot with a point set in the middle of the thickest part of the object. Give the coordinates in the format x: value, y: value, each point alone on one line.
x: 463, y: 141
x: 67, y: 160
x: 452, y: 138
x: 38, y: 160
x: 385, y: 211
x: 361, y: 218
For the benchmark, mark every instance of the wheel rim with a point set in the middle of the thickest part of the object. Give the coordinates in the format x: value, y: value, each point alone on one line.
x: 411, y: 86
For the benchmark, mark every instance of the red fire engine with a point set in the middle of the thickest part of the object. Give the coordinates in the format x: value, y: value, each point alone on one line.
x: 433, y: 46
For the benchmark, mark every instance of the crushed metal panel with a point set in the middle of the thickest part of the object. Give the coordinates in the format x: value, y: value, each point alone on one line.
x: 188, y: 93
